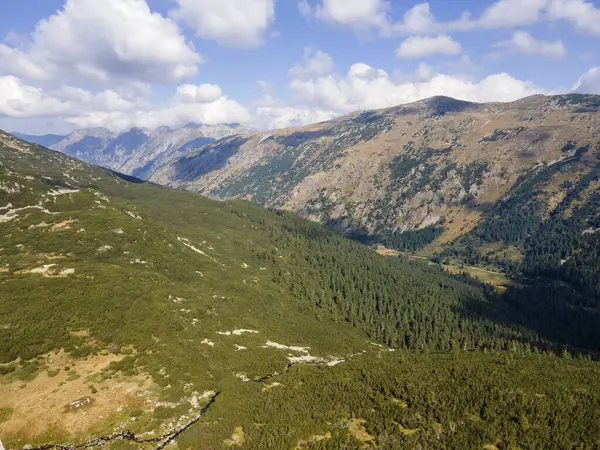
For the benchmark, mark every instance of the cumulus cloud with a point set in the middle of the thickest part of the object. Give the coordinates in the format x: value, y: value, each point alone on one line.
x: 589, y: 83
x: 276, y: 117
x: 523, y: 42
x: 205, y: 103
x: 320, y: 96
x: 365, y: 87
x: 101, y: 42
x: 503, y: 13
x: 222, y: 110
x: 204, y: 93
x: 582, y: 14
x: 512, y: 13
x: 314, y: 63
x: 18, y: 99
x: 237, y: 23
x: 360, y: 15
x: 421, y: 46
x: 15, y: 62
x: 418, y: 19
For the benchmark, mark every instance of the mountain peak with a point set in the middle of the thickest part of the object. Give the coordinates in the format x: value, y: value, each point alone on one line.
x: 438, y: 105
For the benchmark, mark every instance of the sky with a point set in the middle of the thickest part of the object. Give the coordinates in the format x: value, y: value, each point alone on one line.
x: 67, y: 64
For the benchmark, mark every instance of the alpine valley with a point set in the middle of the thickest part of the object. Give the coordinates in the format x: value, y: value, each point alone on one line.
x: 508, y: 187
x: 138, y: 316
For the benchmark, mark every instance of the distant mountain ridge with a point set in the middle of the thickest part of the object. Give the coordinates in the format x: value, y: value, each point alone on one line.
x: 138, y: 151
x: 481, y: 183
x: 47, y: 140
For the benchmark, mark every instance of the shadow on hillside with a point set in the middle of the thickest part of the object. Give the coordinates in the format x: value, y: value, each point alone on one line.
x: 127, y: 178
x: 211, y: 157
x: 550, y: 310
x: 300, y: 137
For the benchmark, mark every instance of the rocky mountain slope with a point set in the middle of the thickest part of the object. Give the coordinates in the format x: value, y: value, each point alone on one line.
x: 137, y: 151
x: 432, y: 169
x: 136, y: 316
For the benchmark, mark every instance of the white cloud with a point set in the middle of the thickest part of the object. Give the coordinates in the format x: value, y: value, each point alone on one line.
x: 364, y: 87
x: 15, y: 62
x: 204, y: 93
x: 512, y: 13
x: 238, y: 23
x: 275, y: 117
x: 204, y: 103
x: 314, y: 63
x: 420, y: 20
x: 102, y: 41
x: 220, y: 111
x: 360, y: 15
x: 583, y: 15
x: 589, y: 83
x: 18, y: 99
x: 503, y: 13
x: 523, y: 42
x: 324, y: 96
x: 197, y: 104
x: 422, y: 46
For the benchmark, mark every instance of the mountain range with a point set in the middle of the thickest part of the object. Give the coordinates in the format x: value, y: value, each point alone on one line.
x: 137, y: 316
x: 137, y: 151
x: 450, y: 180
x: 437, y: 161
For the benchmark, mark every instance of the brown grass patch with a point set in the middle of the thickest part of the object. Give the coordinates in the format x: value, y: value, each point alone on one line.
x: 64, y: 225
x: 303, y: 443
x: 237, y: 439
x: 384, y: 251
x: 48, y: 405
x: 357, y: 429
x: 496, y: 279
x: 458, y: 222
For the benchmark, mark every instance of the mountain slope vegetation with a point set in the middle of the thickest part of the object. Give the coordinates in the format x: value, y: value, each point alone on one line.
x: 137, y: 316
x: 439, y: 162
x: 511, y: 187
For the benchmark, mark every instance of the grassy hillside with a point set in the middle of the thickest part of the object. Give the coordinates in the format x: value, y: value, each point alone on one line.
x: 147, y: 316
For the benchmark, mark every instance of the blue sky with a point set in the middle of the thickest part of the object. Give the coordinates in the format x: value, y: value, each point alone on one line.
x: 66, y: 64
